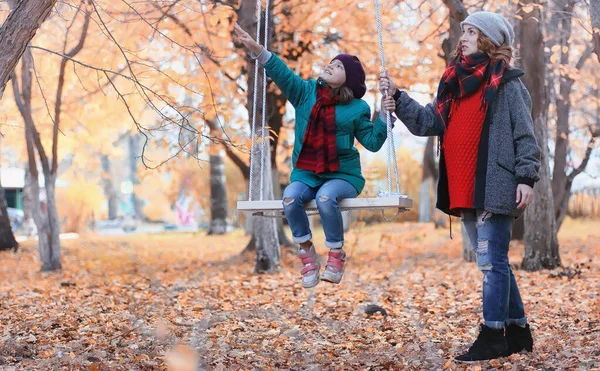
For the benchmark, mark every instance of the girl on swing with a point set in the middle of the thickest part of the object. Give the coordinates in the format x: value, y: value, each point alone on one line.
x: 489, y: 163
x: 326, y: 166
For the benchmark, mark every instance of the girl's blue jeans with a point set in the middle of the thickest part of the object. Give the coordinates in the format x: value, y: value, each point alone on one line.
x: 328, y: 195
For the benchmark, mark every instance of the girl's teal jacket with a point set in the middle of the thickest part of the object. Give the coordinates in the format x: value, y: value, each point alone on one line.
x: 352, y: 120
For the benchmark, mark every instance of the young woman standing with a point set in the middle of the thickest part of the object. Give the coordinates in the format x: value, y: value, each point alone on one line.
x: 489, y: 163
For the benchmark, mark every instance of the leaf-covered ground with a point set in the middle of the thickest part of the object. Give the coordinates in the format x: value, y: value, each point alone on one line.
x: 191, y: 302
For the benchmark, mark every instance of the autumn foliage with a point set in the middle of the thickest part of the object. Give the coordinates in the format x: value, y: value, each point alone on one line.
x: 188, y: 301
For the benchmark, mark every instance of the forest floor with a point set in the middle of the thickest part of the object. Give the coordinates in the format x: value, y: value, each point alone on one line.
x: 188, y: 301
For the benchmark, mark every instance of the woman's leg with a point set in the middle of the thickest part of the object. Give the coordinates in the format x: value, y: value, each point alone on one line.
x: 502, y: 303
x: 493, y: 239
x: 518, y: 332
x: 493, y: 232
x: 516, y: 309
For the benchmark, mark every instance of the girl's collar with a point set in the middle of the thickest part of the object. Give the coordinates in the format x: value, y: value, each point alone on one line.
x: 321, y: 82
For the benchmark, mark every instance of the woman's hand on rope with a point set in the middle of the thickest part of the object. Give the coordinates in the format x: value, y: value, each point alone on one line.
x: 388, y: 103
x: 386, y: 85
x: 524, y: 196
x: 247, y: 40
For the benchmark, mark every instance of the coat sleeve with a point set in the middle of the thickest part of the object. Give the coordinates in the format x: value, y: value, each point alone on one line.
x: 527, y: 151
x: 371, y: 136
x: 293, y: 87
x: 420, y: 121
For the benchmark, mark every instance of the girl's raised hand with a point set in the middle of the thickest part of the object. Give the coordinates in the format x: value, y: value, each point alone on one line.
x: 247, y: 40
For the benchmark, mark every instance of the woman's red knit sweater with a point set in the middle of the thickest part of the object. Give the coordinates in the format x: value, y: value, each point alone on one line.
x: 461, y: 145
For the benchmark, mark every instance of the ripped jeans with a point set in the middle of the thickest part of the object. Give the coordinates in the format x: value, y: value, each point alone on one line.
x: 489, y: 235
x: 298, y: 194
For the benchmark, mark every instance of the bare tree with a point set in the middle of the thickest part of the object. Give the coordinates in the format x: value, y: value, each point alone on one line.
x: 541, y: 243
x: 218, y: 188
x: 45, y: 215
x: 16, y: 32
x: 18, y: 29
x: 561, y: 180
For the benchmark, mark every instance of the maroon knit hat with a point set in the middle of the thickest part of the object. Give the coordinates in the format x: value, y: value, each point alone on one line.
x: 355, y: 74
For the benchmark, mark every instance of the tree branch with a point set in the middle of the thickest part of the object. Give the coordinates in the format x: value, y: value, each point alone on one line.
x: 585, y: 160
x: 27, y: 66
x: 19, y: 100
x: 185, y: 48
x: 61, y: 82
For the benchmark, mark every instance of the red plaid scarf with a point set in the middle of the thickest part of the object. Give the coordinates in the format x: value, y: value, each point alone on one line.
x: 463, y: 76
x: 319, y: 153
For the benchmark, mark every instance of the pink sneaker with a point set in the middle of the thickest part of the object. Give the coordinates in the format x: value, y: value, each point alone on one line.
x: 311, y: 267
x: 334, y: 270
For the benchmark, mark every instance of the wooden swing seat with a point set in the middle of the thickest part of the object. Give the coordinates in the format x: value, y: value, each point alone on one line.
x: 402, y: 203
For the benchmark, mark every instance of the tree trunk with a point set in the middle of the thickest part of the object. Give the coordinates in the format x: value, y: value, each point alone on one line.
x: 48, y: 223
x: 7, y: 238
x: 518, y: 232
x: 457, y: 14
x: 29, y: 228
x: 428, y: 180
x: 134, y: 150
x: 277, y: 195
x: 218, y: 185
x: 49, y: 243
x: 468, y: 253
x: 55, y: 258
x: 425, y: 200
x: 563, y: 106
x: 264, y: 230
x: 109, y: 189
x: 595, y: 17
x: 346, y: 220
x: 248, y: 228
x: 218, y: 195
x: 38, y: 211
x: 541, y: 243
x: 40, y: 215
x: 16, y: 32
x: 561, y: 182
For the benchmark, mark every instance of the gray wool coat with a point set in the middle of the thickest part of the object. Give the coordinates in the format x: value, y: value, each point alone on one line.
x: 508, y: 153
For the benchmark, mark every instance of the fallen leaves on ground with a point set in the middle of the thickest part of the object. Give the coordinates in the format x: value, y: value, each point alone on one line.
x: 190, y: 301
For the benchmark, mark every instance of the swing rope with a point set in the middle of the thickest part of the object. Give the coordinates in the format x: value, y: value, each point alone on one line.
x: 254, y: 104
x: 253, y: 125
x: 392, y: 162
x: 263, y: 137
